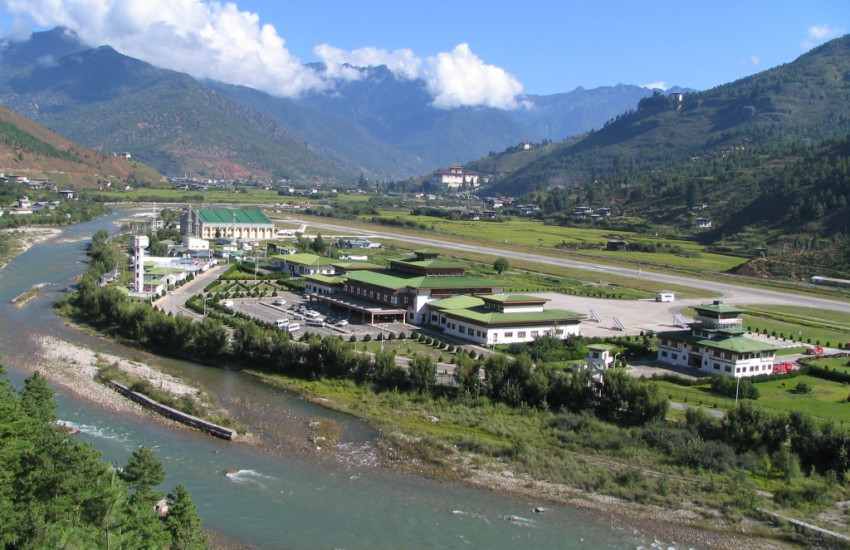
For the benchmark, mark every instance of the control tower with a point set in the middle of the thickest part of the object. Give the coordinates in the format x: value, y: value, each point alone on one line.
x: 140, y: 243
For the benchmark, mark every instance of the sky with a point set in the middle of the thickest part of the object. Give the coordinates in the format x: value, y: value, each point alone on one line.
x: 468, y: 52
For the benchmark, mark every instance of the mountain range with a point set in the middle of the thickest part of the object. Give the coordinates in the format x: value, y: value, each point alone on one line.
x: 378, y: 125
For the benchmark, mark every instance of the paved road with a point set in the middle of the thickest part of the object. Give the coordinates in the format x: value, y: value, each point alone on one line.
x: 731, y: 292
x: 176, y: 302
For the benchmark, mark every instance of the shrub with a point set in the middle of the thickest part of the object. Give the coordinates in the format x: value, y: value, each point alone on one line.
x: 367, y: 337
x: 802, y: 388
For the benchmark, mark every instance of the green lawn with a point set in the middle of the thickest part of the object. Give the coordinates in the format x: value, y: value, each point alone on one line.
x: 536, y: 233
x: 828, y: 399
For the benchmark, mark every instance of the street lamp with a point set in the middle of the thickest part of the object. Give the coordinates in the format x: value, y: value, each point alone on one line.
x: 205, y: 305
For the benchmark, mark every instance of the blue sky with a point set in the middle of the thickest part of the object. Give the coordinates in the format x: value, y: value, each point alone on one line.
x: 468, y: 52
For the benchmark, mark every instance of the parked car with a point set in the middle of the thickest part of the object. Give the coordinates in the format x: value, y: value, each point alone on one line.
x: 342, y: 323
x: 279, y: 302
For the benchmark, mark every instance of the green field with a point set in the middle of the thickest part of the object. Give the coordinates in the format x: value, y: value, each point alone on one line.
x: 536, y: 233
x: 827, y: 402
x: 828, y: 399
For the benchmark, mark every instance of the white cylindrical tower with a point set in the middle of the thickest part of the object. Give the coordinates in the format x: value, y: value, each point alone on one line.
x: 140, y: 243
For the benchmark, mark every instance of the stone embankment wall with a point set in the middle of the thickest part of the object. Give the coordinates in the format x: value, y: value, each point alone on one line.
x: 174, y: 414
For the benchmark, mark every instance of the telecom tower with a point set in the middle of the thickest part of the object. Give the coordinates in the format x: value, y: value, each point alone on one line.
x: 140, y: 243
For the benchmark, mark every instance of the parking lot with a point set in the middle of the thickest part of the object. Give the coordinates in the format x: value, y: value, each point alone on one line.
x: 290, y: 309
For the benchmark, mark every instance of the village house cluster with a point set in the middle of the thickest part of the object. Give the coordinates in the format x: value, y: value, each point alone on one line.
x: 24, y: 206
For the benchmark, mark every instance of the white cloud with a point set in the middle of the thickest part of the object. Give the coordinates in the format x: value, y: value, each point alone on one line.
x: 755, y: 60
x: 456, y: 79
x: 460, y: 78
x: 818, y: 34
x: 209, y: 39
x: 204, y: 39
x: 403, y: 63
x: 660, y: 85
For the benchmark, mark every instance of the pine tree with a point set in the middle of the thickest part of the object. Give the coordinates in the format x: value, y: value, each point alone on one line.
x: 183, y: 522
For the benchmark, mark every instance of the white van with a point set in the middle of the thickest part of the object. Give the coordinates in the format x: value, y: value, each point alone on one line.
x: 315, y: 323
x: 292, y: 327
x: 281, y: 323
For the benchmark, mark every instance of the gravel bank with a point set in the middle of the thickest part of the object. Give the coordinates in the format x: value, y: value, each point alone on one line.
x: 24, y: 238
x: 75, y: 367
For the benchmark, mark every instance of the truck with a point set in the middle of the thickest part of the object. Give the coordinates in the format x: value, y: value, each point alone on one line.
x: 814, y: 350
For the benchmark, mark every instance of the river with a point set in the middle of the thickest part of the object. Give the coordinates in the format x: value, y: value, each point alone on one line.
x: 278, y: 496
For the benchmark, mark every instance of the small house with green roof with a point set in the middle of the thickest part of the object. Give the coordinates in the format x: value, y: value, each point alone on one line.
x: 302, y: 265
x: 716, y: 344
x: 599, y: 356
x: 501, y: 318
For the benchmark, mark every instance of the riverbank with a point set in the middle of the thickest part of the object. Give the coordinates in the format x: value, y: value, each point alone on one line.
x: 76, y: 368
x: 691, y: 524
x: 21, y: 239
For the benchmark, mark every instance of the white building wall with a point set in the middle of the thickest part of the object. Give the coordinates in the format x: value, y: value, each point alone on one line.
x: 723, y: 363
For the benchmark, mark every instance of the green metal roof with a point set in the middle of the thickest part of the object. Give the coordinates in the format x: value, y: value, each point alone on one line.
x: 719, y: 307
x: 344, y: 264
x: 307, y: 259
x: 429, y: 263
x: 735, y: 344
x: 601, y: 347
x: 384, y: 279
x: 226, y: 215
x: 455, y: 282
x: 162, y: 270
x: 513, y: 298
x: 461, y: 301
x: 486, y: 316
x: 326, y: 279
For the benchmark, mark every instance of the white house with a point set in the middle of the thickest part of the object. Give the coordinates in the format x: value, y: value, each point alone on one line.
x: 455, y: 178
x: 716, y: 344
x: 195, y: 244
x: 501, y: 318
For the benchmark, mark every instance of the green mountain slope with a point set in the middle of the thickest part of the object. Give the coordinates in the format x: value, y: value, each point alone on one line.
x: 33, y: 151
x: 733, y: 147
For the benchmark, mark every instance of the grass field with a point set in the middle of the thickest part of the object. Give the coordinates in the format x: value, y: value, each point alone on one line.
x: 535, y: 233
x: 827, y: 401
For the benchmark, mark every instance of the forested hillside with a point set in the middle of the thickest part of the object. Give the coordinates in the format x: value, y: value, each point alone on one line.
x: 764, y: 158
x: 57, y: 492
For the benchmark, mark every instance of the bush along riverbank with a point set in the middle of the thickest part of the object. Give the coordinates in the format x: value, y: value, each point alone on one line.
x: 541, y: 429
